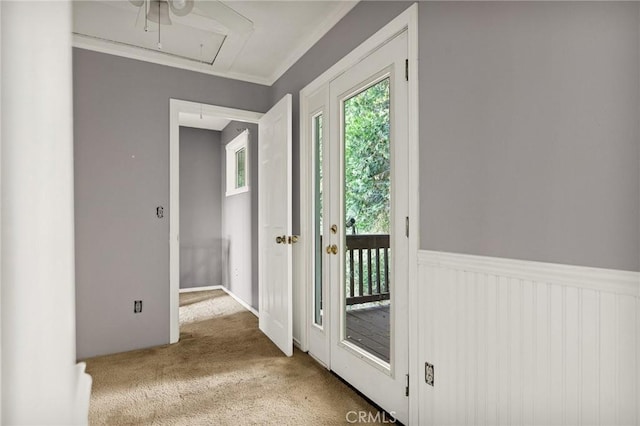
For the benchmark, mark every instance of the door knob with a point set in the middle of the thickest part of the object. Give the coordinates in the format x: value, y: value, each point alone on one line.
x: 332, y: 249
x: 293, y: 239
x: 281, y: 239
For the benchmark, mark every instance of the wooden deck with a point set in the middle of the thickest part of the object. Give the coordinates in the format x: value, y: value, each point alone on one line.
x: 369, y: 328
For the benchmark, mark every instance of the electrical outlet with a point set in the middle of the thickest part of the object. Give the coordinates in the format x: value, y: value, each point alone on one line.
x: 137, y: 306
x: 428, y: 373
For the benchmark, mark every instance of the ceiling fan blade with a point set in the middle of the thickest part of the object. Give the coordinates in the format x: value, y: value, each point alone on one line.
x: 225, y: 15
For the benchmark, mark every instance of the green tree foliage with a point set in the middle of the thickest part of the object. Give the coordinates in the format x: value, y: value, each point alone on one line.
x: 367, y: 163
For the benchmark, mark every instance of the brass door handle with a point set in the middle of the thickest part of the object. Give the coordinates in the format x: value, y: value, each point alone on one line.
x: 332, y: 249
x: 283, y: 239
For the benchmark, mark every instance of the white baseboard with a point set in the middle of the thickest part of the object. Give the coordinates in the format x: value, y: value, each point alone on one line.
x: 226, y: 290
x: 83, y: 394
x: 242, y: 302
x: 204, y: 288
x: 297, y: 344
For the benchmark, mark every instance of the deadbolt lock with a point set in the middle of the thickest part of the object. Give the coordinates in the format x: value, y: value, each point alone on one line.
x: 334, y: 229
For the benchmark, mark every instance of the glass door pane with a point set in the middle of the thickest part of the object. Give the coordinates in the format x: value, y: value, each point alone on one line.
x: 367, y: 209
x: 317, y: 140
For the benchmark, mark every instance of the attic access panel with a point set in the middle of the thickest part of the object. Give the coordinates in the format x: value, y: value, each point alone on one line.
x: 122, y: 23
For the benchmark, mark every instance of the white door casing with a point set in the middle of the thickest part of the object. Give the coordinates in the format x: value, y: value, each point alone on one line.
x: 176, y: 108
x: 275, y: 223
x: 383, y: 382
x: 274, y: 200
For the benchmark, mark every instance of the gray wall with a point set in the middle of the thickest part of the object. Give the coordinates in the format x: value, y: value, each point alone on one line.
x: 528, y: 148
x: 200, y: 208
x: 529, y: 131
x: 528, y: 125
x: 121, y: 148
x: 240, y: 222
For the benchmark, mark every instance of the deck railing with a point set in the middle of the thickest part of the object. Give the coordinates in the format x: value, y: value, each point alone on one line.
x: 367, y: 268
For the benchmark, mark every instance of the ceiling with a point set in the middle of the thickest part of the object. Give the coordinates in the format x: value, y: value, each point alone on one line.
x: 255, y: 41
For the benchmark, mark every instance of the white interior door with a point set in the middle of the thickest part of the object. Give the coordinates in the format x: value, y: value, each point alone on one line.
x: 274, y: 223
x: 368, y: 255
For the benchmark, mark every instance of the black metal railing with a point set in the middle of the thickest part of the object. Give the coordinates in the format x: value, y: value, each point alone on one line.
x: 367, y: 268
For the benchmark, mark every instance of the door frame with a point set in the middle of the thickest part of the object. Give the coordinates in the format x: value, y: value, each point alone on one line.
x: 177, y: 106
x: 407, y: 20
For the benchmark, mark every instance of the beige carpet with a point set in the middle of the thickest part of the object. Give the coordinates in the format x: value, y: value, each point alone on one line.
x: 223, y: 371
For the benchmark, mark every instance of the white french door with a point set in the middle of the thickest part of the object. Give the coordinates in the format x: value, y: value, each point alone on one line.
x: 360, y: 307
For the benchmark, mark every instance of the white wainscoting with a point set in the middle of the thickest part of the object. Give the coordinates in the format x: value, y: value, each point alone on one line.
x: 516, y: 342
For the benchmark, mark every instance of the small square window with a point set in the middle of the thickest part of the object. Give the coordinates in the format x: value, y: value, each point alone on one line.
x: 238, y: 164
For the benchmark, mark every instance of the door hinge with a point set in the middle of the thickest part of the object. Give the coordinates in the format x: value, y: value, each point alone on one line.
x: 406, y: 226
x: 406, y: 389
x: 406, y: 69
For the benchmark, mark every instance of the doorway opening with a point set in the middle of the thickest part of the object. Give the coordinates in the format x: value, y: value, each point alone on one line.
x: 213, y: 249
x: 202, y: 243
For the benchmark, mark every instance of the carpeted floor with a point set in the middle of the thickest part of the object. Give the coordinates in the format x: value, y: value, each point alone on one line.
x: 223, y: 371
